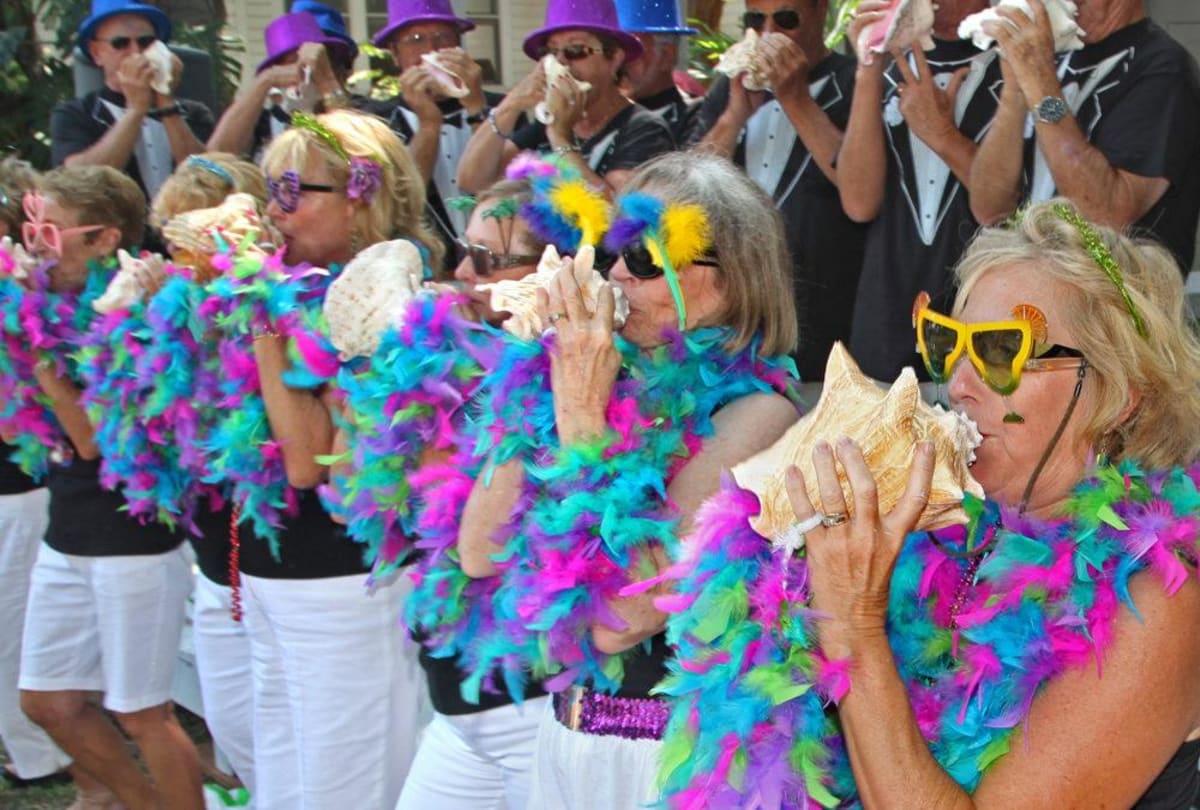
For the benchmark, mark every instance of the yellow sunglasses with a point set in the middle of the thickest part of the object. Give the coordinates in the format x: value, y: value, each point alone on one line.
x: 999, y: 350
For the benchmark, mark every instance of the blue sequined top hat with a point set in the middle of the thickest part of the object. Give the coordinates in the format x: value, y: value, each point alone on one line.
x: 597, y: 16
x: 103, y: 9
x: 652, y: 17
x: 288, y: 32
x: 332, y: 23
x: 407, y: 12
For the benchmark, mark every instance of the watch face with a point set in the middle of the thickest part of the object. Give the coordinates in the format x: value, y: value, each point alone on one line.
x: 1051, y: 109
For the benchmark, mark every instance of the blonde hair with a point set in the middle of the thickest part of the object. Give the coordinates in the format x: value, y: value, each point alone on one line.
x: 16, y: 177
x: 100, y: 195
x: 755, y: 272
x: 194, y: 185
x: 1163, y: 367
x: 398, y: 210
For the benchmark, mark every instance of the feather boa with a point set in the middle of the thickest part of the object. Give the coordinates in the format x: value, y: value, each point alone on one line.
x: 36, y: 323
x: 585, y: 515
x: 751, y: 725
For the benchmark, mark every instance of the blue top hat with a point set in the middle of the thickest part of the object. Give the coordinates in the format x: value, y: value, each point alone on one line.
x: 331, y: 22
x: 104, y: 9
x: 662, y: 17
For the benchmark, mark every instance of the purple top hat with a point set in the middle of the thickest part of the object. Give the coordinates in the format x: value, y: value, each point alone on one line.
x: 660, y: 17
x: 597, y: 16
x: 103, y: 9
x: 288, y: 32
x: 407, y: 12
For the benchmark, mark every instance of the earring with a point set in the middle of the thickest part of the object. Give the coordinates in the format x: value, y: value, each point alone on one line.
x: 354, y: 242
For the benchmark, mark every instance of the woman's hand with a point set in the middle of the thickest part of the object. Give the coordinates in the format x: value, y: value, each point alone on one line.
x: 867, y: 14
x: 851, y: 561
x: 565, y: 102
x: 529, y: 91
x: 585, y: 360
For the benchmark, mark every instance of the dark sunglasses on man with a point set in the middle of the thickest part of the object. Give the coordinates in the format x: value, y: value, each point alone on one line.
x: 485, y: 261
x: 786, y: 19
x: 572, y: 53
x: 641, y: 265
x: 143, y: 42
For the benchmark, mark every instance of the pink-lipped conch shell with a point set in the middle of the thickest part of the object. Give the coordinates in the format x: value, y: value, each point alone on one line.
x: 138, y: 276
x: 369, y: 296
x: 519, y: 298
x: 196, y: 236
x: 449, y: 83
x: 886, y: 425
x: 1062, y: 13
x: 908, y: 23
x: 554, y: 71
x: 159, y: 57
x: 742, y: 59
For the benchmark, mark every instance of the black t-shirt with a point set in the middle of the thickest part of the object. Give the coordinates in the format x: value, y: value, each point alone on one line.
x: 631, y: 138
x: 674, y: 108
x: 212, y: 547
x: 88, y: 521
x: 1178, y: 786
x: 925, y: 221
x: 826, y: 246
x: 645, y: 667
x: 1137, y: 97
x: 77, y: 124
x: 12, y: 480
x: 311, y: 546
x: 445, y: 680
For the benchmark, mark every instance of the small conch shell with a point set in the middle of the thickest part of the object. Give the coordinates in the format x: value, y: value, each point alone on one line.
x: 886, y: 425
x: 741, y: 59
x: 449, y: 83
x: 1062, y: 13
x: 554, y: 70
x: 208, y: 231
x: 159, y: 56
x: 15, y: 261
x: 519, y: 298
x: 370, y: 294
x: 137, y: 277
x: 908, y: 23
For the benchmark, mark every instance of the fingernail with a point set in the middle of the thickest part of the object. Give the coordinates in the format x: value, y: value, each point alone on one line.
x: 822, y: 447
x: 843, y: 442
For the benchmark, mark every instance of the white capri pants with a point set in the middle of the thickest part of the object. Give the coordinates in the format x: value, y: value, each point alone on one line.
x: 23, y: 519
x: 479, y: 761
x: 339, y: 697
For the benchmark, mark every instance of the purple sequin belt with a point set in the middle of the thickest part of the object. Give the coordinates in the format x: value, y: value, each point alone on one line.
x: 590, y: 712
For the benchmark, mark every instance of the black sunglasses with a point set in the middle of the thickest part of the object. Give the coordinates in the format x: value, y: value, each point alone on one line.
x: 571, y: 53
x: 485, y: 261
x: 786, y: 19
x: 143, y: 42
x: 640, y: 265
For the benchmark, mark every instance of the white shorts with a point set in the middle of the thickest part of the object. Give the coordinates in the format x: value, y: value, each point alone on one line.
x: 108, y: 624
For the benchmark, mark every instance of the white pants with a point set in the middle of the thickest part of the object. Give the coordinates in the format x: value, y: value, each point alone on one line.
x: 226, y: 683
x: 23, y: 521
x: 478, y: 761
x: 577, y: 771
x: 339, y: 698
x: 107, y: 624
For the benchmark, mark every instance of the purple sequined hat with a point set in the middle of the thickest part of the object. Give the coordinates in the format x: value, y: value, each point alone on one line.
x: 407, y: 12
x: 288, y: 32
x: 597, y: 16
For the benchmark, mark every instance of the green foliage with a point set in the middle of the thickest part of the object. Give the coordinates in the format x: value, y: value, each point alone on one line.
x: 382, y: 75
x: 222, y: 47
x: 705, y: 48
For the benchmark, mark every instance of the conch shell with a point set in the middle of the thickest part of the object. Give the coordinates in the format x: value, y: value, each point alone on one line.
x: 449, y: 83
x: 908, y: 22
x: 137, y: 277
x: 887, y: 426
x: 520, y: 297
x: 554, y: 71
x: 1062, y: 13
x: 741, y: 59
x: 15, y: 261
x: 159, y: 56
x: 195, y: 236
x: 370, y: 294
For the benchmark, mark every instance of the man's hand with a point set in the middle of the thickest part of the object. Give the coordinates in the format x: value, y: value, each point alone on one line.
x: 418, y: 89
x: 784, y: 64
x: 281, y: 76
x: 460, y: 63
x: 134, y: 77
x: 315, y: 57
x: 1026, y: 47
x: 927, y: 108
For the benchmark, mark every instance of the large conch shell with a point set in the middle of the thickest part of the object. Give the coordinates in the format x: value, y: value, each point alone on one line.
x: 159, y: 56
x: 15, y: 261
x: 886, y: 424
x: 1067, y: 33
x: 554, y: 71
x: 908, y: 23
x: 195, y: 236
x: 138, y: 276
x: 449, y: 83
x: 370, y: 294
x: 520, y: 297
x: 741, y: 59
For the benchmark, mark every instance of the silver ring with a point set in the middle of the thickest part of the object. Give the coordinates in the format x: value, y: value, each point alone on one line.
x: 834, y: 519
x: 555, y: 317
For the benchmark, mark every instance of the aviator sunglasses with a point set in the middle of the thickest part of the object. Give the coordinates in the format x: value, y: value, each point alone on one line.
x: 640, y: 263
x: 785, y: 19
x: 999, y: 350
x: 121, y: 43
x: 486, y: 261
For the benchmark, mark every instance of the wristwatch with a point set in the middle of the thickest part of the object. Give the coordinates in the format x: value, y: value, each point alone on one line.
x: 174, y: 108
x: 1050, y: 110
x: 479, y: 117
